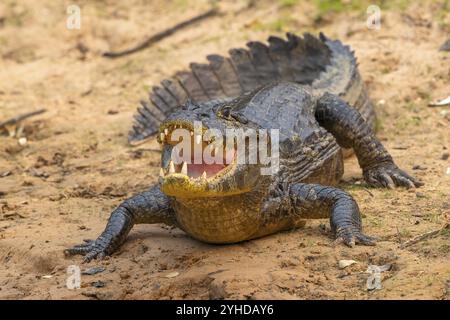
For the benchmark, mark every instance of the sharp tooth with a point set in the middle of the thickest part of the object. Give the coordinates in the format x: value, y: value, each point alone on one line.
x: 192, y: 133
x: 171, y: 167
x: 163, y: 136
x: 216, y: 151
x: 184, y: 169
x: 198, y: 139
x: 161, y: 173
x: 166, y: 131
x: 204, y: 175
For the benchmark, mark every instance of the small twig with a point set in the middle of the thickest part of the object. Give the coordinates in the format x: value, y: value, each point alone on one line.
x: 368, y: 191
x: 21, y: 117
x: 161, y: 35
x: 424, y: 236
x: 400, y: 147
x: 399, y: 236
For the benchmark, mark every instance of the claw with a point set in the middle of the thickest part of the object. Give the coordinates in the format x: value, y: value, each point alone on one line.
x: 388, y: 175
x: 88, y: 249
x: 350, y: 242
x: 90, y: 256
x: 402, y: 181
x: 351, y: 238
x: 387, y: 181
x: 366, y: 240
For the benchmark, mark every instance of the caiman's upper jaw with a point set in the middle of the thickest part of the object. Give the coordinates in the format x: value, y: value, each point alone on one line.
x: 190, y: 179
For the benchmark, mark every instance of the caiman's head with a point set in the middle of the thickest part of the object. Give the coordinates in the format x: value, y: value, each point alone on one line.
x: 199, y: 159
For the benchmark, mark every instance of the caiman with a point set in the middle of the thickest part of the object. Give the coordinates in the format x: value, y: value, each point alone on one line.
x: 310, y: 89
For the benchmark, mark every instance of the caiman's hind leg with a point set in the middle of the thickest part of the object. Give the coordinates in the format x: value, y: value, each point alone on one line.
x: 148, y: 207
x: 351, y: 131
x: 313, y: 201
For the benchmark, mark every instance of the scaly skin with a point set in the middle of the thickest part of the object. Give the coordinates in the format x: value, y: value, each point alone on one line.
x: 312, y: 201
x: 276, y: 202
x: 293, y: 86
x: 151, y: 206
x: 351, y: 131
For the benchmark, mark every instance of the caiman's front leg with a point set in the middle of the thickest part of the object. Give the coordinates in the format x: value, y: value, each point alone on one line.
x: 151, y: 206
x: 351, y: 131
x: 313, y: 201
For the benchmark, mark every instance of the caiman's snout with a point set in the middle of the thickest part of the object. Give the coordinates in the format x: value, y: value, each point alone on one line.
x: 199, y: 164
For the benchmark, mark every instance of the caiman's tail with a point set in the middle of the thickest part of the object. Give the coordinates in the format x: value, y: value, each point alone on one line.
x: 324, y: 64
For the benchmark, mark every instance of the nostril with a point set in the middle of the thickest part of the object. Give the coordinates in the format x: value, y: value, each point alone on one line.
x: 206, y: 115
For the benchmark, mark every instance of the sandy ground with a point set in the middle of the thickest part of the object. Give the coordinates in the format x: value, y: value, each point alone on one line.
x: 77, y: 165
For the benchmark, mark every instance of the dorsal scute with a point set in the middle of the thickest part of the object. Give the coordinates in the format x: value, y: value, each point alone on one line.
x: 305, y: 60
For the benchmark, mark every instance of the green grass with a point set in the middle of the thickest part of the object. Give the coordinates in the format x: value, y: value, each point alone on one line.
x: 394, y: 4
x: 354, y: 187
x: 388, y: 194
x: 182, y: 4
x: 287, y: 3
x: 408, y: 122
x: 386, y: 69
x: 378, y: 125
x: 282, y: 23
x: 442, y: 16
x: 446, y: 233
x: 425, y: 95
x: 325, y: 7
x: 411, y: 106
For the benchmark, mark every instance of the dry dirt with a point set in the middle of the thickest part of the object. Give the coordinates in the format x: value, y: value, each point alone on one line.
x: 77, y: 165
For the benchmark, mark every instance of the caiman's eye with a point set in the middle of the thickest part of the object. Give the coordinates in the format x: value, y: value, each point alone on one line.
x: 228, y: 113
x: 224, y: 112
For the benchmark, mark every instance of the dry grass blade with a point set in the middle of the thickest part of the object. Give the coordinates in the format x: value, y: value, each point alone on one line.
x: 425, y: 235
x: 17, y: 119
x: 161, y: 35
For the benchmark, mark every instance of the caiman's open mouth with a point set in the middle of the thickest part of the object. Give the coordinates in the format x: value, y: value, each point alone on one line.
x: 190, y: 179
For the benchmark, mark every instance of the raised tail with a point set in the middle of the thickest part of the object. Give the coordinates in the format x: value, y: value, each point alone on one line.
x: 324, y: 64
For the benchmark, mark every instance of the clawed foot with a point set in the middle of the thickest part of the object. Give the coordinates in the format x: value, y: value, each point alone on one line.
x: 90, y: 249
x: 388, y: 175
x: 351, y: 237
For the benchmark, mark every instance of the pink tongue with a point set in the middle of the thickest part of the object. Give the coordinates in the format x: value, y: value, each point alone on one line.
x: 196, y: 170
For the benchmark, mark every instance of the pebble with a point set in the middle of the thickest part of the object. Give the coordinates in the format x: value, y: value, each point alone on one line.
x: 345, y: 263
x: 23, y: 142
x: 5, y: 174
x: 445, y: 46
x: 93, y: 270
x: 420, y: 195
x: 172, y: 274
x: 98, y: 284
x: 217, y: 291
x: 124, y: 275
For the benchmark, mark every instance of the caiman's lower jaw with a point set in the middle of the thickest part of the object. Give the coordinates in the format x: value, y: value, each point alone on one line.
x: 191, y: 180
x: 184, y: 185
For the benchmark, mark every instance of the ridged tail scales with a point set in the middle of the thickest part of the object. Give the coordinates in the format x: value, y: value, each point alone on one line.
x: 324, y: 64
x: 342, y: 78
